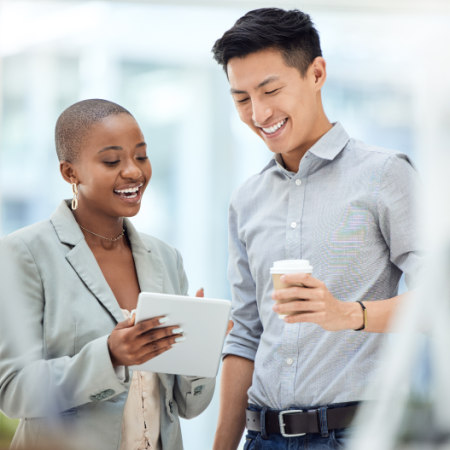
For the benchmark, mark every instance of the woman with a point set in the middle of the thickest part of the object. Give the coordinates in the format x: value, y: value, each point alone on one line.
x: 67, y: 284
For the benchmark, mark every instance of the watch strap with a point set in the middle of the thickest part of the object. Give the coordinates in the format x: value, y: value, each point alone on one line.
x: 364, y: 316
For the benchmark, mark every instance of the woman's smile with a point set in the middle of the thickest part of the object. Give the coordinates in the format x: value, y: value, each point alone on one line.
x: 129, y: 193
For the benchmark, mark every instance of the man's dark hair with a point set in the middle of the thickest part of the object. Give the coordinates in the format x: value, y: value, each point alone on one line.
x: 291, y: 32
x: 75, y: 122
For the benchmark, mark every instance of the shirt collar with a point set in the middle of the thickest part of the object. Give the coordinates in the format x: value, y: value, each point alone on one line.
x: 331, y: 143
x: 327, y: 147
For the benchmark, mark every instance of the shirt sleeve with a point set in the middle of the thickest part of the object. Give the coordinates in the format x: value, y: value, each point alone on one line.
x: 243, y: 339
x: 398, y: 205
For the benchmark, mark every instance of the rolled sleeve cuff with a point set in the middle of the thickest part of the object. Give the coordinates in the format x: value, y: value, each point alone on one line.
x: 233, y: 348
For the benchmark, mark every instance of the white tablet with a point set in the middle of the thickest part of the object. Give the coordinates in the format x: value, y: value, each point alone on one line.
x: 204, y: 321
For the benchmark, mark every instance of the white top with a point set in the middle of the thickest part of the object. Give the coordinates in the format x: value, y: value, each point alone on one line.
x: 141, y: 418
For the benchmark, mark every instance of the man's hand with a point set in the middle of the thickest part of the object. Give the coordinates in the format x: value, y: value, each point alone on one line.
x: 316, y: 304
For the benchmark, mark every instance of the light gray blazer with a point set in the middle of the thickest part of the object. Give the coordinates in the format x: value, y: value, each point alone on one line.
x: 56, y: 312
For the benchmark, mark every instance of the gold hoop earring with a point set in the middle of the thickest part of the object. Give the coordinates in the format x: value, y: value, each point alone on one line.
x: 75, y: 198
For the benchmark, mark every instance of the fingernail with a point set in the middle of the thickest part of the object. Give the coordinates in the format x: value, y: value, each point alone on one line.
x: 273, y: 295
x: 282, y: 278
x: 275, y: 308
x: 201, y: 289
x: 173, y: 345
x: 180, y: 339
x: 163, y: 320
x: 177, y: 330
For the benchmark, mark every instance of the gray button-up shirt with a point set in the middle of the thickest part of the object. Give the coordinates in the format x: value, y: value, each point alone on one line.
x: 355, y: 221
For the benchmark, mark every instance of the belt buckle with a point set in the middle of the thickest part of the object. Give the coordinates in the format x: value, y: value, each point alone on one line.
x: 283, y: 425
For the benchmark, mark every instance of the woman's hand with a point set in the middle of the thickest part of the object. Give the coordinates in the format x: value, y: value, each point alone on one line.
x: 131, y: 345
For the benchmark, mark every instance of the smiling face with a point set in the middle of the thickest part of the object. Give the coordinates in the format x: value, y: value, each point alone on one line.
x: 113, y: 169
x: 276, y: 102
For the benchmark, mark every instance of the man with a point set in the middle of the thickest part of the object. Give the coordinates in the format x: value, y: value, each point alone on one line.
x: 345, y: 206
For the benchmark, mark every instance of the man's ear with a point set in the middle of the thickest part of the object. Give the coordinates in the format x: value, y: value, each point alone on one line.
x: 318, y: 70
x: 68, y: 172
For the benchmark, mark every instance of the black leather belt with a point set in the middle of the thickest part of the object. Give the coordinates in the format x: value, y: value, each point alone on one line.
x: 292, y: 423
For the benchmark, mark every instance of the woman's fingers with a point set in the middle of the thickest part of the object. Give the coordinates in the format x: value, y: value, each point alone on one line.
x: 129, y: 344
x: 153, y: 354
x: 158, y: 334
x: 161, y: 343
x: 146, y: 325
x: 135, y: 350
x: 155, y: 348
x: 200, y: 293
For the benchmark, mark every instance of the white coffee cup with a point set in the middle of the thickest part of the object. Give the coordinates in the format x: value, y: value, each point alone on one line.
x: 284, y: 267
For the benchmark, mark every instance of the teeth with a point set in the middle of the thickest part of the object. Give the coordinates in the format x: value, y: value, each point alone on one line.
x: 128, y: 191
x: 275, y: 127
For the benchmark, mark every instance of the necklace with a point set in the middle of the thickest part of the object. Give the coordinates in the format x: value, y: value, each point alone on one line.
x: 103, y: 237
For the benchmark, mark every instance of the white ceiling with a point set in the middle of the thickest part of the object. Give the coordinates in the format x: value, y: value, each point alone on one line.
x: 405, y: 6
x: 380, y: 44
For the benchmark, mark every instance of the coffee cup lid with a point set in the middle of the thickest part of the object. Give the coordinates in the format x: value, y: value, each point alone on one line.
x: 291, y: 266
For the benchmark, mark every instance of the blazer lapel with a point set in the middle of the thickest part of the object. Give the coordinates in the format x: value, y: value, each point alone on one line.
x: 150, y: 272
x: 85, y: 265
x: 82, y: 259
x: 149, y: 266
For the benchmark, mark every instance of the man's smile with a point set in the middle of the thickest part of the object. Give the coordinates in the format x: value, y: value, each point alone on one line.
x: 274, y: 130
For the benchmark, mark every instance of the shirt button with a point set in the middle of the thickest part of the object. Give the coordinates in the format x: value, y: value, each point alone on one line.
x: 293, y: 224
x: 144, y: 394
x: 290, y: 361
x: 298, y: 182
x: 147, y: 434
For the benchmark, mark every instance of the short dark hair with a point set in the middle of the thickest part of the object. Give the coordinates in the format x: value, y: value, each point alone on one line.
x: 291, y: 32
x: 75, y: 122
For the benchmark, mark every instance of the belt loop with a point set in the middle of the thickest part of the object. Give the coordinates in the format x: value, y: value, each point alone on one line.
x: 323, y: 421
x: 263, y: 423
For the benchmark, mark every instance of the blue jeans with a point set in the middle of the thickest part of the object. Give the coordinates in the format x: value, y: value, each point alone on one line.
x: 329, y: 439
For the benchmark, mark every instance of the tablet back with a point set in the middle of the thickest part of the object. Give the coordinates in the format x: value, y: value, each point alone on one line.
x: 204, y: 322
